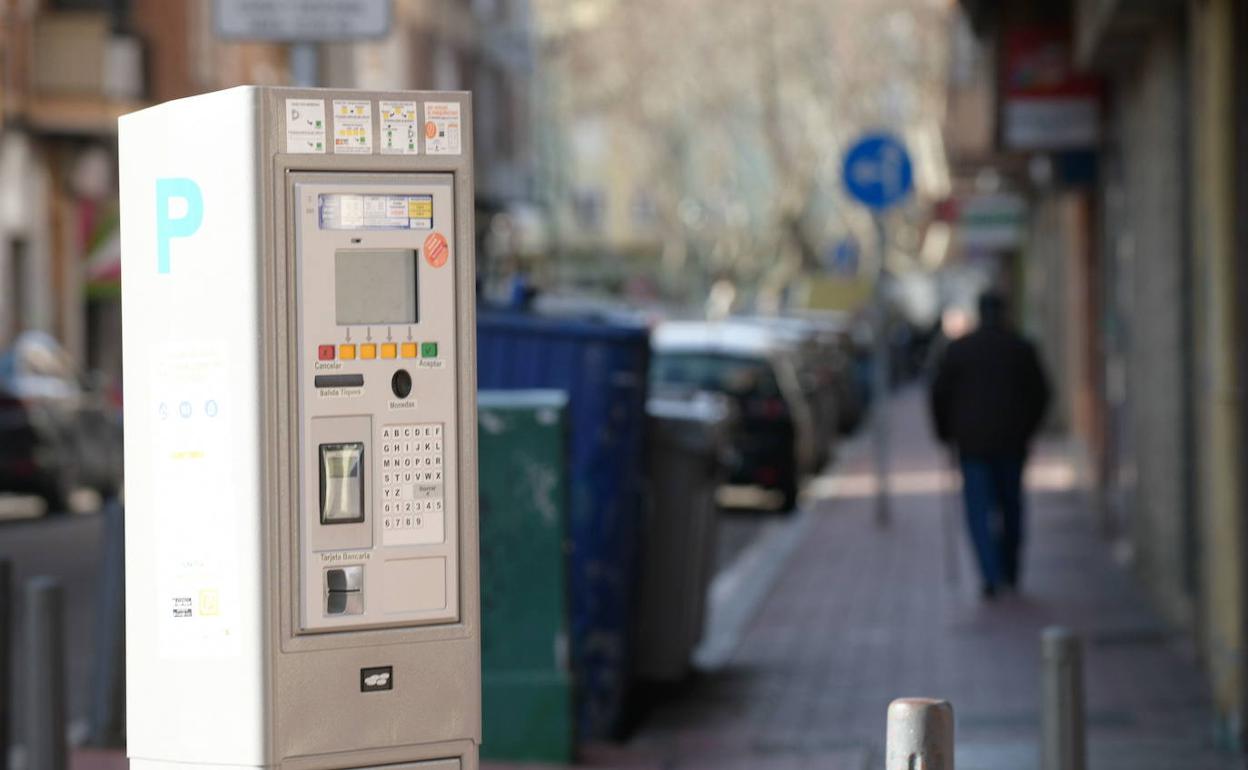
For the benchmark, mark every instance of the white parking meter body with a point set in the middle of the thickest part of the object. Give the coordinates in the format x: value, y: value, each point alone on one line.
x: 300, y: 431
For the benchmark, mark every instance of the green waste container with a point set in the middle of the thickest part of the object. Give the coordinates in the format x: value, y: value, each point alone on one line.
x: 527, y: 706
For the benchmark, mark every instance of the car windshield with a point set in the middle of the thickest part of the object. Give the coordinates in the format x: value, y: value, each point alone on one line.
x: 37, y: 367
x: 717, y: 372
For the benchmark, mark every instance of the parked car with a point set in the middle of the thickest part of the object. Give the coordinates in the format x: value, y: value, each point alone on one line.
x: 825, y: 359
x: 56, y: 433
x: 838, y: 354
x: 774, y: 446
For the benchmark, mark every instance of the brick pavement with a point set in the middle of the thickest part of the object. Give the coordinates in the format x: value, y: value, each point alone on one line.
x: 859, y: 616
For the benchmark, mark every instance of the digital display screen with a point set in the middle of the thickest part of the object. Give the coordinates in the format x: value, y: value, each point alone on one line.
x: 375, y: 286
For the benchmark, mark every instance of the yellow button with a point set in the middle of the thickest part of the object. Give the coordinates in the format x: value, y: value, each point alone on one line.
x: 409, y: 349
x: 389, y: 350
x: 368, y: 350
x: 346, y: 352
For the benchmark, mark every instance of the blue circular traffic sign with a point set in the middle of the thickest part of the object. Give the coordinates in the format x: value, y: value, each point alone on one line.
x: 878, y: 172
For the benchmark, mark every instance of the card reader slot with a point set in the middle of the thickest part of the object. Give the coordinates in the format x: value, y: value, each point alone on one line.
x: 338, y: 380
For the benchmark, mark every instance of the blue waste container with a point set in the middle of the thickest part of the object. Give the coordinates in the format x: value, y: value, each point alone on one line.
x: 602, y: 367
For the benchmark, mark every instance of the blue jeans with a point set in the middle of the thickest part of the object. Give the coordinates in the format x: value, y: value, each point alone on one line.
x: 992, y: 488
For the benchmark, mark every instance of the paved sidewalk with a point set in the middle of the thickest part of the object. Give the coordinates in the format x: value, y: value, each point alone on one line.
x: 849, y: 617
x: 858, y: 616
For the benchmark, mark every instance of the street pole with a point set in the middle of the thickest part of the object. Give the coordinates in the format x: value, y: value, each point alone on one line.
x: 44, y: 710
x: 305, y: 64
x: 6, y: 645
x: 879, y: 175
x: 883, y: 514
x: 1063, y: 743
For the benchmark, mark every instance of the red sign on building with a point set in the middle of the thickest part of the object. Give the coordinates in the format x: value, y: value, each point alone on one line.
x: 1045, y: 103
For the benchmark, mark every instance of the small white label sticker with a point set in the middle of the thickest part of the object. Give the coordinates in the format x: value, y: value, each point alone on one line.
x: 400, y: 129
x: 339, y: 392
x: 353, y: 127
x: 305, y: 125
x: 442, y: 128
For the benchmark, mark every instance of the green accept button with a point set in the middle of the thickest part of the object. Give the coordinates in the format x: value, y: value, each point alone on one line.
x: 428, y: 350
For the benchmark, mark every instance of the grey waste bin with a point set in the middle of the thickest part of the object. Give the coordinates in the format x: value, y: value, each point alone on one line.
x: 686, y: 440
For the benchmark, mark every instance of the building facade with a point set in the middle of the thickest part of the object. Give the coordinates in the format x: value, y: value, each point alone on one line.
x: 1133, y: 279
x: 73, y: 66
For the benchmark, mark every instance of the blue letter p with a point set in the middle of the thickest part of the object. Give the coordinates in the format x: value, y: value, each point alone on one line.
x: 167, y: 227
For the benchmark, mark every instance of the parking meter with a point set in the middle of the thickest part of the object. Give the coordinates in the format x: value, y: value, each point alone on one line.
x: 300, y: 431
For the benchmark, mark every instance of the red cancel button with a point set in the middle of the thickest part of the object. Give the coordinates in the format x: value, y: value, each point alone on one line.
x: 325, y: 352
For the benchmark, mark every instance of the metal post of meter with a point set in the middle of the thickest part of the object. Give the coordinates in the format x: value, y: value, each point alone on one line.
x: 880, y: 378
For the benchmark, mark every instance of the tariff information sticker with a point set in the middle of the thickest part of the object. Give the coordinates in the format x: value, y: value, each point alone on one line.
x: 345, y: 211
x: 353, y: 127
x: 442, y: 128
x: 399, y: 128
x: 305, y: 125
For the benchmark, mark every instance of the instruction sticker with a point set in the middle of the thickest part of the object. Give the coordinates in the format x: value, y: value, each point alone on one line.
x: 305, y: 125
x: 353, y: 127
x: 442, y: 128
x: 399, y: 128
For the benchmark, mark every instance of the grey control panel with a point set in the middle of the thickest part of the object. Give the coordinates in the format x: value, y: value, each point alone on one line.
x: 377, y: 354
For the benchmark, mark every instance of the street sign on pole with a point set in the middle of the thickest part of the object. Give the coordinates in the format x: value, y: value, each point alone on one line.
x: 302, y: 21
x: 878, y: 172
x: 842, y: 258
x: 879, y: 175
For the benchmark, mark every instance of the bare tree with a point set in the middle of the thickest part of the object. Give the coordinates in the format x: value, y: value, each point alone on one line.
x: 733, y: 115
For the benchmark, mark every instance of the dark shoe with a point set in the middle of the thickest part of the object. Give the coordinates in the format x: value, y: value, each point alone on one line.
x: 988, y: 593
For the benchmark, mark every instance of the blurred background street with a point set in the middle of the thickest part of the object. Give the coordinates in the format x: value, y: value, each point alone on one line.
x: 722, y: 249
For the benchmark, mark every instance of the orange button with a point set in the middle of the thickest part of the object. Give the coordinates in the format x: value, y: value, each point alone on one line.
x: 389, y: 350
x: 409, y: 349
x: 346, y: 352
x: 368, y: 350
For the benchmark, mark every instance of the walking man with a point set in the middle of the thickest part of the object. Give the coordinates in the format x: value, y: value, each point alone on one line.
x: 988, y: 399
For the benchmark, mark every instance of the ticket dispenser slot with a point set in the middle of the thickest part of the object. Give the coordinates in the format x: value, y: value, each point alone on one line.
x: 376, y: 310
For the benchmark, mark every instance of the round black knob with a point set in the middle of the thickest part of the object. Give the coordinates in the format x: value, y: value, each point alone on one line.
x: 401, y: 383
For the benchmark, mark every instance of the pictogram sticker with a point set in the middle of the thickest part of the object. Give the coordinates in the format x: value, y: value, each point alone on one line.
x: 305, y: 125
x: 399, y: 128
x: 353, y: 126
x: 443, y: 126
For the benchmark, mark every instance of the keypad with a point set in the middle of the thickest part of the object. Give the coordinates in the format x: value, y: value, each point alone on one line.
x: 412, y: 490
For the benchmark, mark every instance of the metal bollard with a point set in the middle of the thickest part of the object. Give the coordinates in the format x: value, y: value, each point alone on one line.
x: 1062, y: 746
x: 108, y: 676
x: 920, y: 735
x: 6, y: 666
x: 45, y: 671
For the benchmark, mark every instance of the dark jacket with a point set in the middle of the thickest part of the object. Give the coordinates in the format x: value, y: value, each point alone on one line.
x: 990, y: 393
